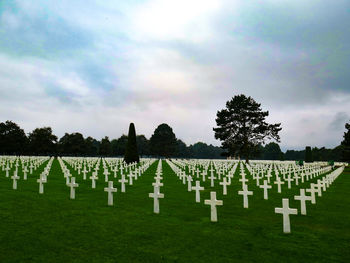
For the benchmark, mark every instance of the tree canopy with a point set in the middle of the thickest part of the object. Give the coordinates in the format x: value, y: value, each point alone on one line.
x: 42, y: 141
x: 13, y: 139
x: 163, y: 141
x: 242, y: 127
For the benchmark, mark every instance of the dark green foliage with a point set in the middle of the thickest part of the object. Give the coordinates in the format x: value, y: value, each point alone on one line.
x: 42, y: 141
x: 13, y: 140
x: 92, y: 146
x: 346, y: 144
x: 73, y: 144
x: 204, y: 151
x: 308, y: 154
x: 105, y: 147
x: 142, y: 145
x: 242, y: 127
x: 119, y: 145
x: 131, y: 154
x: 163, y: 141
x: 272, y: 151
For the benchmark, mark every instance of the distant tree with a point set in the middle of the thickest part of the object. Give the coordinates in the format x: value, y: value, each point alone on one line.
x: 242, y: 127
x: 72, y: 144
x: 105, y: 147
x: 182, y: 151
x: 346, y: 144
x: 42, y: 141
x: 202, y: 150
x: 119, y: 145
x: 131, y: 153
x: 308, y: 154
x: 272, y: 151
x: 163, y: 141
x: 13, y: 139
x: 92, y: 146
x: 142, y: 145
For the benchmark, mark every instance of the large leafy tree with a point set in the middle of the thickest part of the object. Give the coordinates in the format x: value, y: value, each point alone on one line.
x: 105, y: 147
x: 142, y: 145
x: 163, y: 141
x: 131, y: 154
x: 72, y: 144
x: 272, y: 151
x: 42, y: 141
x: 242, y: 127
x: 92, y: 146
x: 119, y: 145
x: 13, y: 139
x: 346, y: 144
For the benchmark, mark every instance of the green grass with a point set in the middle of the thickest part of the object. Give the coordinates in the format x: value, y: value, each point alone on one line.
x: 53, y: 228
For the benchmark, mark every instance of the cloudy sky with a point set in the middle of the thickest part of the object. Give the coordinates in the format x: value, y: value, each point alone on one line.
x: 94, y: 66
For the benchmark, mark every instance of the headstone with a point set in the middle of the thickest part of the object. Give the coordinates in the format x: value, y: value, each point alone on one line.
x: 198, y: 188
x: 72, y: 186
x: 224, y: 184
x: 265, y: 186
x: 156, y: 195
x: 286, y: 211
x: 15, y: 177
x: 302, y: 198
x: 110, y: 189
x: 213, y: 203
x: 245, y: 194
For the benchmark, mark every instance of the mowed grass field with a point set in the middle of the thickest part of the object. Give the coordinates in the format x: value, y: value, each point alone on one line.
x: 53, y: 228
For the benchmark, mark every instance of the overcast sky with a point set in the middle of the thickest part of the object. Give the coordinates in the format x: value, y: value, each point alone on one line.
x: 95, y: 66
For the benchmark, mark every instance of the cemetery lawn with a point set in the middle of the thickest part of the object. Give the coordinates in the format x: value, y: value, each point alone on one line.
x: 53, y: 228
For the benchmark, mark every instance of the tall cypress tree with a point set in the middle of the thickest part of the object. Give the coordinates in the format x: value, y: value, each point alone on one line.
x: 131, y: 154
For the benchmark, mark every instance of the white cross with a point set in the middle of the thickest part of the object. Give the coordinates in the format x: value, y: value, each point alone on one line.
x: 289, y: 180
x: 122, y: 181
x: 204, y: 173
x: 211, y: 177
x: 245, y: 194
x: 84, y: 173
x: 14, y: 178
x: 302, y: 198
x: 286, y: 211
x: 279, y: 183
x: 130, y: 175
x: 156, y: 195
x: 189, y: 184
x: 72, y: 186
x: 265, y: 186
x: 198, y: 188
x: 296, y: 177
x: 7, y: 170
x: 224, y: 184
x: 106, y: 173
x: 41, y: 182
x: 93, y: 180
x: 213, y: 203
x: 110, y: 189
x: 197, y: 172
x: 243, y: 180
x: 25, y: 171
x: 312, y: 191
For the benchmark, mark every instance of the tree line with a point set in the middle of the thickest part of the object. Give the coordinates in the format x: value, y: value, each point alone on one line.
x: 272, y: 151
x: 163, y: 143
x: 42, y: 141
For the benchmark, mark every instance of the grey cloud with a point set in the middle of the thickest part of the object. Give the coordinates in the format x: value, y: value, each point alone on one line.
x: 339, y: 121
